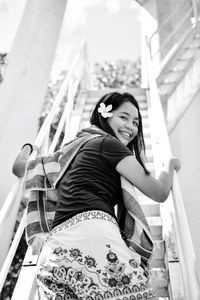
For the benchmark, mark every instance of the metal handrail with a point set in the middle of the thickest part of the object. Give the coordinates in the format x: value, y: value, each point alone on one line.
x: 41, y: 135
x: 195, y: 8
x: 16, y: 191
x: 185, y: 247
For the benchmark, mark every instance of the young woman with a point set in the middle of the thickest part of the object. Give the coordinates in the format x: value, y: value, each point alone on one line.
x: 85, y: 256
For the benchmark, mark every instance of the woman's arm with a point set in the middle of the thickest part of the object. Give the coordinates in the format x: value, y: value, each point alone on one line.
x: 156, y: 189
x: 18, y: 168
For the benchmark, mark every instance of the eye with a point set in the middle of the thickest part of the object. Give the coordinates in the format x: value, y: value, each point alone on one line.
x: 123, y: 117
x: 135, y: 124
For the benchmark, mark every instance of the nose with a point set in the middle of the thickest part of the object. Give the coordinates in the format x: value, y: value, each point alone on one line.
x: 129, y: 125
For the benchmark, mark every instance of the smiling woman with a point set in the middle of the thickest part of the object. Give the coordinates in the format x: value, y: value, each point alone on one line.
x: 126, y: 115
x: 87, y: 254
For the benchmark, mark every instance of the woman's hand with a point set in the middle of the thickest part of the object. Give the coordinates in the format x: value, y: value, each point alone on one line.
x: 18, y: 168
x: 176, y: 163
x: 172, y: 164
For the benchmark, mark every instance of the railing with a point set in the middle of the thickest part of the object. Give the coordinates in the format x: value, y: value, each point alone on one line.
x: 175, y: 206
x: 174, y: 39
x: 76, y: 76
x: 183, y: 96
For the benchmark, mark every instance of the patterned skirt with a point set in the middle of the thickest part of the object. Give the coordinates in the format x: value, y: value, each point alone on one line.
x: 85, y: 258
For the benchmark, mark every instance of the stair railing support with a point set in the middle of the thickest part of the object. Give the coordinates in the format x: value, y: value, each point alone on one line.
x: 195, y: 9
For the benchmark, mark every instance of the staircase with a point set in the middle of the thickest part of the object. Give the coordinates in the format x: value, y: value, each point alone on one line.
x: 160, y: 278
x: 159, y: 268
x: 166, y: 277
x: 179, y: 65
x: 178, y: 82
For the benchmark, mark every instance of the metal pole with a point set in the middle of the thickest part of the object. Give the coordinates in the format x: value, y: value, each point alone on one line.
x: 195, y: 12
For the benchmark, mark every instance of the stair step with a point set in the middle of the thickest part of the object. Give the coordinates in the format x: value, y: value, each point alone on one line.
x: 183, y: 58
x: 176, y: 287
x: 158, y: 250
x: 146, y: 134
x: 149, y: 159
x: 139, y: 93
x: 159, y: 278
x: 174, y: 70
x: 144, y: 114
x: 158, y: 257
x: 155, y: 224
x: 189, y: 54
x: 193, y: 47
x: 196, y: 36
x: 165, y: 93
x: 168, y: 81
x: 86, y: 115
x: 164, y: 89
x: 157, y: 263
x: 148, y: 145
x: 180, y: 65
x: 149, y: 152
x: 150, y: 207
x: 162, y: 294
x: 91, y: 102
x: 145, y: 123
x: 170, y: 77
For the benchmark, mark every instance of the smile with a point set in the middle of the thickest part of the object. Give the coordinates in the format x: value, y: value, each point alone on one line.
x: 126, y: 134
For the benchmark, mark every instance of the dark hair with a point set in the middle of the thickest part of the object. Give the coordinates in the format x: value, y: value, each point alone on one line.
x: 117, y: 99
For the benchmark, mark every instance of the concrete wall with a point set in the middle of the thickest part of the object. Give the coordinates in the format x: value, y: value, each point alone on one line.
x: 185, y: 142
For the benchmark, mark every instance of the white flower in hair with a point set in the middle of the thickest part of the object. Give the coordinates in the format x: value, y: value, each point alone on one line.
x: 104, y: 111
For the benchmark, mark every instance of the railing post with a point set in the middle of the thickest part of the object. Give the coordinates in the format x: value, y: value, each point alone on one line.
x: 88, y: 79
x: 69, y: 107
x: 45, y: 144
x: 195, y: 9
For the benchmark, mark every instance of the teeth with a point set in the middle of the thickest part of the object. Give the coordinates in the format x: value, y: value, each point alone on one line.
x: 126, y: 134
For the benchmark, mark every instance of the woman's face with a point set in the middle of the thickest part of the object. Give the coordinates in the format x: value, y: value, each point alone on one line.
x: 125, y: 122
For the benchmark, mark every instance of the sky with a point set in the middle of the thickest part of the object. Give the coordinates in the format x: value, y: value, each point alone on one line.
x: 110, y: 27
x: 10, y: 13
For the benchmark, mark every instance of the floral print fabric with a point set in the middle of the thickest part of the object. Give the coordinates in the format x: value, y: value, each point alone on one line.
x: 95, y: 264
